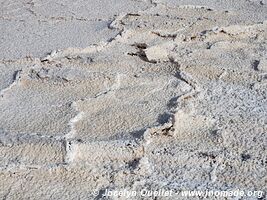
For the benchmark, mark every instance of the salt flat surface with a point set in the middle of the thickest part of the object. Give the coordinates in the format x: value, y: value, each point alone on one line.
x: 114, y: 95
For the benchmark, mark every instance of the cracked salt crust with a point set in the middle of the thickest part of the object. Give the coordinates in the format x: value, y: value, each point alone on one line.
x: 139, y: 94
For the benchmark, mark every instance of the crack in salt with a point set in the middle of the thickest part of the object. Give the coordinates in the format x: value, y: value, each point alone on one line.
x: 70, y: 153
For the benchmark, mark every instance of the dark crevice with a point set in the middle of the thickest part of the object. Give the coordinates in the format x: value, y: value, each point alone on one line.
x: 245, y: 157
x: 141, y: 53
x: 164, y: 118
x: 138, y: 134
x: 133, y: 164
x: 255, y: 65
x: 169, y: 35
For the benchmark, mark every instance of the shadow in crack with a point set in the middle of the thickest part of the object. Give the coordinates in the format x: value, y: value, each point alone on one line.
x: 138, y: 134
x: 164, y: 118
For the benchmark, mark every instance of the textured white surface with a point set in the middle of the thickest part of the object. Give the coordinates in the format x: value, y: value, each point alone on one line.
x: 113, y: 95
